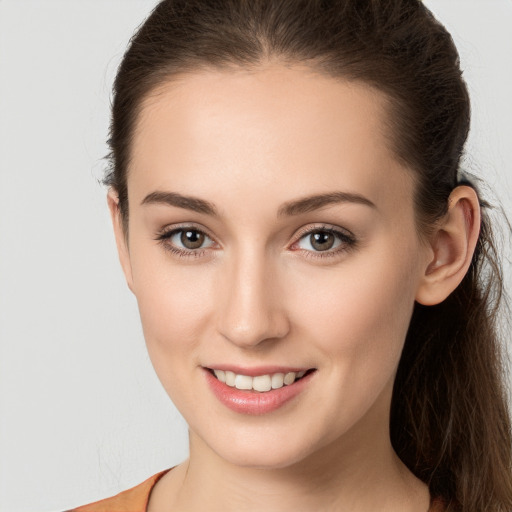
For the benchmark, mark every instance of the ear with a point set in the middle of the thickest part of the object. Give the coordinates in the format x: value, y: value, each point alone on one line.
x: 120, y: 235
x: 452, y: 246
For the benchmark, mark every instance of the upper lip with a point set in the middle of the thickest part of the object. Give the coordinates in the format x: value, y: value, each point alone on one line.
x: 254, y: 371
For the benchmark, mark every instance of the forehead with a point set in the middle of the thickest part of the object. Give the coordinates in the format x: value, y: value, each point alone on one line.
x: 278, y: 126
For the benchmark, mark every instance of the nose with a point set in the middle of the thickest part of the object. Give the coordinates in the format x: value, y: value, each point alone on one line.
x: 251, y: 310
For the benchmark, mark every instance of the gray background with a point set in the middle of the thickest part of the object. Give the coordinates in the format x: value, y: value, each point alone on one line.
x: 82, y: 415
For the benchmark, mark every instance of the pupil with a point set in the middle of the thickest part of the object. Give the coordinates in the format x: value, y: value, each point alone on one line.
x: 192, y: 239
x: 322, y: 240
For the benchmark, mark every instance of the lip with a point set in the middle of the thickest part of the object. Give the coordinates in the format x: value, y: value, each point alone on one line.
x: 254, y: 402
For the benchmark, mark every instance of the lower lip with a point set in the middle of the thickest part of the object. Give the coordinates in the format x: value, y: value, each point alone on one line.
x: 254, y: 402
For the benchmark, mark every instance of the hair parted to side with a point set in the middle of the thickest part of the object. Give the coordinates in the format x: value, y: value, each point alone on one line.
x: 450, y: 422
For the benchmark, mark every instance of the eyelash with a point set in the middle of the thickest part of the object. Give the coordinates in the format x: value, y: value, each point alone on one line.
x: 348, y: 242
x: 164, y: 235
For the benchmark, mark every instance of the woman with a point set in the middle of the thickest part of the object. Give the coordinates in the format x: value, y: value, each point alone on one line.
x: 315, y: 278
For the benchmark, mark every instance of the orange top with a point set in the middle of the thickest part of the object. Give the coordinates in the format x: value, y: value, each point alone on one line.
x: 132, y: 500
x: 136, y: 499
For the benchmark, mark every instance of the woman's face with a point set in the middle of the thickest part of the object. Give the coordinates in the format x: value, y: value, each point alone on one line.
x: 271, y: 231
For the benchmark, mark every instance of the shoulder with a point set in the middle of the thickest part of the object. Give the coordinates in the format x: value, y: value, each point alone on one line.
x: 131, y: 500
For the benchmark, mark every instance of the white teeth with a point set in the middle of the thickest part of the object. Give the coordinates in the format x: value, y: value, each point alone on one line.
x: 230, y: 378
x: 261, y: 383
x: 277, y: 380
x: 243, y: 382
x: 220, y: 374
x: 289, y: 378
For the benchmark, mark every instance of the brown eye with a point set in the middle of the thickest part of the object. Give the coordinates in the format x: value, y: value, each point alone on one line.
x: 185, y: 241
x: 192, y: 239
x: 322, y: 240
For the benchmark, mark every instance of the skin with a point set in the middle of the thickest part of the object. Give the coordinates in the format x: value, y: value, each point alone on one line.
x: 257, y: 292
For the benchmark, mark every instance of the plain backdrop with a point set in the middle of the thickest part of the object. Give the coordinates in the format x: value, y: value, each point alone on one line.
x: 82, y: 414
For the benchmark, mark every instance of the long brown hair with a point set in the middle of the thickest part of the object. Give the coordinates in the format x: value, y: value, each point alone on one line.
x: 449, y: 418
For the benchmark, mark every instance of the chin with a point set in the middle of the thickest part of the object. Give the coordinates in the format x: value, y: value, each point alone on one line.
x: 263, y: 459
x: 262, y: 449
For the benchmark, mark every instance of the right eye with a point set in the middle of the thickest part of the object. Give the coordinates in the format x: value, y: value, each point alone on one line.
x: 185, y: 241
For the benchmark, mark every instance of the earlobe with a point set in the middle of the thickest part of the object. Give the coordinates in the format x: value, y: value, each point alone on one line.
x: 452, y: 246
x: 120, y: 236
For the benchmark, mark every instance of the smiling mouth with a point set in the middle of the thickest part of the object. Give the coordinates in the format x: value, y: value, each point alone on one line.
x: 259, y: 383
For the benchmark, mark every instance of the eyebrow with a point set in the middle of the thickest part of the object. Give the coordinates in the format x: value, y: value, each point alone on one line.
x: 181, y: 201
x: 317, y: 201
x: 290, y: 208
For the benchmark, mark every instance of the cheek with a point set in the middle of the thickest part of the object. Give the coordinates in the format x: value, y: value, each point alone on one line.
x: 359, y: 313
x: 173, y: 300
x: 173, y: 307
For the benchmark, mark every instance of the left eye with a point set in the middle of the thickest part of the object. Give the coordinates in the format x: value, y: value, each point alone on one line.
x: 322, y: 240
